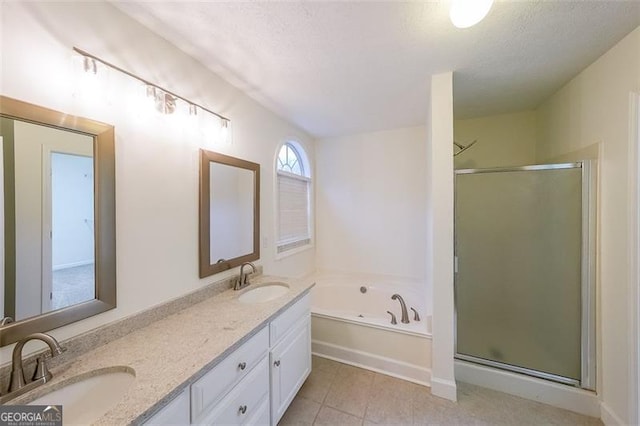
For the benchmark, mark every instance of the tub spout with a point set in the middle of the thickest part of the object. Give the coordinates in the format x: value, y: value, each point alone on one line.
x: 403, y: 306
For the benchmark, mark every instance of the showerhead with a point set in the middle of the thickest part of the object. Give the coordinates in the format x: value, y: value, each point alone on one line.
x: 463, y: 148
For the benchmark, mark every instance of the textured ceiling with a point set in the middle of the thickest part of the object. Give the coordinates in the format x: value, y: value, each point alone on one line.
x: 337, y: 68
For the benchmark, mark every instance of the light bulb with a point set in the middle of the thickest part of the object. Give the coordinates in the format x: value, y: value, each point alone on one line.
x: 467, y: 13
x: 224, y: 131
x: 91, y: 81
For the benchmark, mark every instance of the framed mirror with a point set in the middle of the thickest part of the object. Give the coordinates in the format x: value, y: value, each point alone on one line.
x: 229, y: 212
x: 57, y: 230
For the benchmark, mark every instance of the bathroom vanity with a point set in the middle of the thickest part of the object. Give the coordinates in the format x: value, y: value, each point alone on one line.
x: 217, y: 360
x: 256, y: 382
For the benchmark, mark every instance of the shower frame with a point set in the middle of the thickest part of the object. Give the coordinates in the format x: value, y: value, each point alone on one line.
x: 588, y: 277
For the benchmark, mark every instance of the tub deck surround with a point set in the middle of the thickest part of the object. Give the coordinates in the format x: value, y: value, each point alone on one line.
x: 171, y: 353
x: 366, y: 299
x: 349, y: 320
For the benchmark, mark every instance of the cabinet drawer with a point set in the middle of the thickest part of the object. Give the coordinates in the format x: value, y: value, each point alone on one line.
x: 175, y: 412
x: 288, y: 319
x: 208, y: 389
x: 244, y: 402
x: 262, y: 415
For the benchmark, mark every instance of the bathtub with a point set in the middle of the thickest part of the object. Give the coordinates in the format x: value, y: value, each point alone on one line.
x: 350, y: 324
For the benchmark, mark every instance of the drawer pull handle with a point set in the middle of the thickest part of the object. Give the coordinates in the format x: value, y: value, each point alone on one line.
x: 242, y: 365
x: 242, y: 409
x: 277, y: 363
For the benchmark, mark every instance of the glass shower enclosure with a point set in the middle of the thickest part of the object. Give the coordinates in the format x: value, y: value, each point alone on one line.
x: 525, y: 270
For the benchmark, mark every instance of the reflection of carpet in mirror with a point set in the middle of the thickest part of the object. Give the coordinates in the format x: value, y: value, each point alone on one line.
x: 72, y: 286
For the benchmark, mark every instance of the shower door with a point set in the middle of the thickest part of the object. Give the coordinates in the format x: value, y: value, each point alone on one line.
x: 524, y: 271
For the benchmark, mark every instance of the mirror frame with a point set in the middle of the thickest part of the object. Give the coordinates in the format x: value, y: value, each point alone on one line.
x: 206, y: 268
x: 104, y: 212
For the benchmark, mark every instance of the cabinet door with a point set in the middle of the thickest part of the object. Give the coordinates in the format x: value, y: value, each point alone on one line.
x: 290, y: 366
x: 174, y: 413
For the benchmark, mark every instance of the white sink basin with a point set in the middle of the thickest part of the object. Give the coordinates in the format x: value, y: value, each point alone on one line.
x: 88, y: 397
x: 264, y: 292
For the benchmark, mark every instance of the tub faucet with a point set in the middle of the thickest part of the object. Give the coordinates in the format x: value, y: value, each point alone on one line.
x: 416, y: 317
x: 243, y: 279
x: 405, y: 314
x: 18, y: 385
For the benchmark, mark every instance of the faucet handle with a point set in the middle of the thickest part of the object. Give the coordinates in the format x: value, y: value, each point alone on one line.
x: 393, y: 318
x: 416, y: 317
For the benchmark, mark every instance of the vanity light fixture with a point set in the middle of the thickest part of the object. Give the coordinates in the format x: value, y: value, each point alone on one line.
x: 163, y: 99
x: 467, y: 13
x: 89, y: 65
x: 224, y: 131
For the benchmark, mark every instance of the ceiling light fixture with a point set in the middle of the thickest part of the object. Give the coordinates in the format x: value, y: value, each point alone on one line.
x: 164, y: 100
x: 467, y: 13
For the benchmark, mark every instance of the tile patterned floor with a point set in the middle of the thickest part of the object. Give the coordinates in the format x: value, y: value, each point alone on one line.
x: 338, y: 394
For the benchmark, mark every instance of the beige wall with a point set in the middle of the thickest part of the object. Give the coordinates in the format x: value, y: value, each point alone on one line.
x: 370, y: 188
x: 156, y: 156
x: 593, y: 109
x: 503, y: 140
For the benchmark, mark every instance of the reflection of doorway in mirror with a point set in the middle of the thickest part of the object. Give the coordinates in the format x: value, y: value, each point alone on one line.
x: 29, y: 256
x: 71, y: 236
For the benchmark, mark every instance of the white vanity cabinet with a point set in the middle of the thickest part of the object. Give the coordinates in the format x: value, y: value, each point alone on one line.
x: 254, y: 384
x: 233, y: 390
x: 175, y: 412
x: 290, y: 355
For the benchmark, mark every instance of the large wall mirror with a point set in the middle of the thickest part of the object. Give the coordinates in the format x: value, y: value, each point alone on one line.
x: 57, y: 224
x: 229, y: 212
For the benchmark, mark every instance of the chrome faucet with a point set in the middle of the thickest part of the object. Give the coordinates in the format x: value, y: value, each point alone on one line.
x: 405, y: 314
x: 18, y: 385
x: 243, y: 279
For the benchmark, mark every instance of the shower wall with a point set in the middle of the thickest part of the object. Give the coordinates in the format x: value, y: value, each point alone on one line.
x: 503, y: 140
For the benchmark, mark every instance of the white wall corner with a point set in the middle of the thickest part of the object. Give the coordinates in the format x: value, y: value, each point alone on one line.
x: 609, y: 417
x: 440, y: 232
x: 444, y: 388
x: 633, y: 256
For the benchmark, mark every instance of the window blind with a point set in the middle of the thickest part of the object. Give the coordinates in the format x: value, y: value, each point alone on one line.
x: 293, y: 212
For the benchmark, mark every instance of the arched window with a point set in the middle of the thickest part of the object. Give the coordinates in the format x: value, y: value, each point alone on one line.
x: 293, y: 198
x: 289, y: 160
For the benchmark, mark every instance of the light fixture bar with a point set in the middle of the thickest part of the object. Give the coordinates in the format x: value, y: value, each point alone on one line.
x: 86, y: 54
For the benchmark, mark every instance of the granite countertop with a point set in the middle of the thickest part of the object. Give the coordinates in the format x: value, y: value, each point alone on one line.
x: 173, y: 352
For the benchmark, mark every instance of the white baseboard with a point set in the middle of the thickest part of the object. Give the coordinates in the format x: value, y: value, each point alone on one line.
x: 377, y: 363
x: 72, y: 264
x: 562, y: 396
x: 444, y: 388
x: 609, y: 418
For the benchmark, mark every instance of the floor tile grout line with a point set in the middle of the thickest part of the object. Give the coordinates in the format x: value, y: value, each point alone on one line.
x: 343, y: 412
